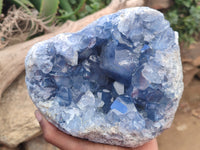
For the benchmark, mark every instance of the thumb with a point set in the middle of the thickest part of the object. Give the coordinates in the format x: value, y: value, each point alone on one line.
x: 49, y: 131
x: 52, y: 135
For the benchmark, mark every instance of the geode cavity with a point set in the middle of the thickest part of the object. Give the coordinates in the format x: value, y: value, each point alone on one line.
x: 118, y: 81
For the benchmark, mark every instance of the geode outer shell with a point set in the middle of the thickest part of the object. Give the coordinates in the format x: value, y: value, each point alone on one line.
x: 118, y: 81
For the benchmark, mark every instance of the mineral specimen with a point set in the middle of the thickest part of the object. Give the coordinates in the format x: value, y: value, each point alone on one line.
x: 117, y: 81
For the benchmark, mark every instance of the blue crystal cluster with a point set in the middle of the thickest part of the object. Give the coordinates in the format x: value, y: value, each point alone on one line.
x: 117, y: 81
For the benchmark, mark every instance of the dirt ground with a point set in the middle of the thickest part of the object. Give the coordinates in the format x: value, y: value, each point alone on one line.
x: 184, y: 133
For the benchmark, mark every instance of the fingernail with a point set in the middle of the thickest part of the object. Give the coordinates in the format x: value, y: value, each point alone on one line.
x: 38, y: 116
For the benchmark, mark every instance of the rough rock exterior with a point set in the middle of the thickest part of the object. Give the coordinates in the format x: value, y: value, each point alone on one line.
x: 17, y: 120
x: 39, y: 144
x: 7, y: 148
x: 117, y: 81
x: 159, y: 4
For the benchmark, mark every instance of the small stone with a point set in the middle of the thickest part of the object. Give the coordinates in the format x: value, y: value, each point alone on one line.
x: 120, y: 76
x: 181, y: 127
x: 196, y: 112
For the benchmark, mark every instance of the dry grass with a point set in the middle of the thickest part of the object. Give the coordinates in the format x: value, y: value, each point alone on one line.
x: 18, y: 25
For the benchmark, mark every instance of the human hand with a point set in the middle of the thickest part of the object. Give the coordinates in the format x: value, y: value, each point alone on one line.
x: 66, y: 142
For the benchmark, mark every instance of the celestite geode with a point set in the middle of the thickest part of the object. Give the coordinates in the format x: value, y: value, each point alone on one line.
x: 117, y: 81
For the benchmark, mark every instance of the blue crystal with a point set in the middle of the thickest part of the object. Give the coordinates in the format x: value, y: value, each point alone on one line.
x: 119, y: 106
x: 120, y: 76
x: 145, y: 47
x: 106, y: 98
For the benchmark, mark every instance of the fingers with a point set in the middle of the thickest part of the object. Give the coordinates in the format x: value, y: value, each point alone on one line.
x: 48, y: 129
x: 66, y: 142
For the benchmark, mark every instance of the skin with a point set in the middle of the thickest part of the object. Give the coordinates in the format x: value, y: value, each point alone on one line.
x: 66, y: 142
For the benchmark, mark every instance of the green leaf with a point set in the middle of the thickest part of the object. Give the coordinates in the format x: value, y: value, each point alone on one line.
x: 1, y: 6
x: 46, y: 8
x: 27, y: 2
x: 36, y: 3
x: 172, y: 16
x: 187, y: 3
x: 72, y: 1
x: 64, y: 4
x: 24, y: 4
x: 49, y: 8
x: 95, y: 6
x: 88, y: 9
x: 21, y: 3
x: 184, y: 17
x: 68, y: 15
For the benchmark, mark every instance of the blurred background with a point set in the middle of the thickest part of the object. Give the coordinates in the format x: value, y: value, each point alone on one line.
x: 25, y: 22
